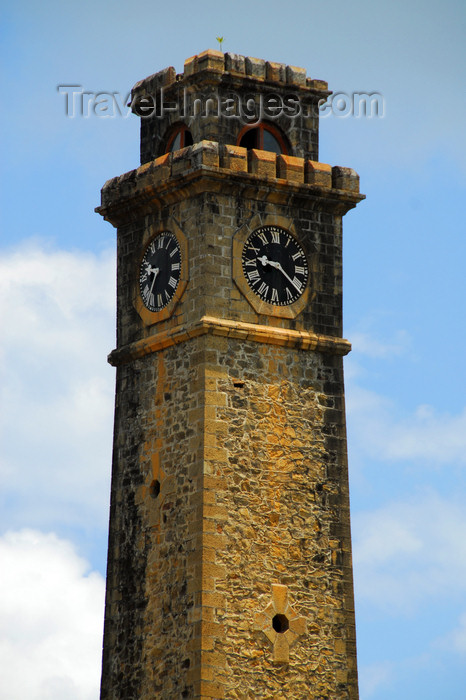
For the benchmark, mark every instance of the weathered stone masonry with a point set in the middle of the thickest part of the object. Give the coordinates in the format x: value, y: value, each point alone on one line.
x: 229, y: 505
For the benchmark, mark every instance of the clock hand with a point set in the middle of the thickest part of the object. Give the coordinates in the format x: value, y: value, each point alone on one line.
x: 265, y: 261
x: 279, y: 267
x: 156, y: 271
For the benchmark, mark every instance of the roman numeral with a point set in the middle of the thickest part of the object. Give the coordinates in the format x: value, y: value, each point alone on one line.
x: 159, y: 300
x: 288, y: 293
x: 298, y: 284
x: 172, y: 282
x: 160, y: 242
x: 274, y: 295
x: 253, y: 275
x: 263, y: 238
x: 299, y: 270
x: 275, y: 236
x: 251, y: 263
x: 173, y: 252
x: 263, y: 289
x: 296, y: 256
x: 175, y: 266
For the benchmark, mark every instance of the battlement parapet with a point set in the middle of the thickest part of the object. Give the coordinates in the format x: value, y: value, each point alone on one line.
x: 232, y: 161
x: 218, y: 64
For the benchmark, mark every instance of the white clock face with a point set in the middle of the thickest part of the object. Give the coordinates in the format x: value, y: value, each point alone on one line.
x: 160, y: 271
x: 275, y: 266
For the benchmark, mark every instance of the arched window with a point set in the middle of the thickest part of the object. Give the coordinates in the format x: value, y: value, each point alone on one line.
x: 266, y: 137
x: 178, y: 138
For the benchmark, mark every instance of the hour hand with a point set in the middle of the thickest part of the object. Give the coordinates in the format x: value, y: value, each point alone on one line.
x: 155, y: 270
x: 152, y: 270
x: 265, y: 261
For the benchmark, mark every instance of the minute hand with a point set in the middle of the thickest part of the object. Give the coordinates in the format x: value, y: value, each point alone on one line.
x: 279, y: 267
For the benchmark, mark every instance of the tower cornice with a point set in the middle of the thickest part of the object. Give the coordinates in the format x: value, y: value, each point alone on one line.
x: 284, y: 337
x: 208, y: 166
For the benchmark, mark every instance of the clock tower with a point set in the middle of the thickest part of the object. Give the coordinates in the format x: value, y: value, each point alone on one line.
x: 229, y: 566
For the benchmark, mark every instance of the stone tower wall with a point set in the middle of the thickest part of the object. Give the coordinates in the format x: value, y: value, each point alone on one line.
x: 229, y: 568
x: 229, y: 476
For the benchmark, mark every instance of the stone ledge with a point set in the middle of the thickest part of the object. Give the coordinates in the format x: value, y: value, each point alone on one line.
x: 227, y: 159
x: 301, y: 340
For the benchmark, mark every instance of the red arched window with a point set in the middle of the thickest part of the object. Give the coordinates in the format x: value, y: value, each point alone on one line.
x: 178, y: 138
x: 266, y: 137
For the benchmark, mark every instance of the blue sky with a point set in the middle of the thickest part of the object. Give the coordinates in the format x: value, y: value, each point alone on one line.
x: 404, y: 286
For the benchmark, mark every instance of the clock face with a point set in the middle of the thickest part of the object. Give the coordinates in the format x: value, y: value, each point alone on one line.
x: 160, y: 271
x: 275, y: 266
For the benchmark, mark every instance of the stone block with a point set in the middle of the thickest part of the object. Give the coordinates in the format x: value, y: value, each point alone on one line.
x: 234, y: 158
x: 190, y: 66
x: 255, y: 67
x: 275, y: 72
x: 235, y: 63
x: 158, y: 171
x: 296, y: 76
x: 290, y: 168
x: 280, y: 597
x: 345, y: 179
x: 205, y: 153
x: 181, y: 161
x: 110, y: 191
x: 262, y: 163
x: 210, y: 60
x: 318, y: 173
x: 316, y: 84
x: 163, y: 78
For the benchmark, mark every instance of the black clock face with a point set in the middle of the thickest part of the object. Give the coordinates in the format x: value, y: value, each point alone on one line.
x: 160, y: 271
x: 275, y: 266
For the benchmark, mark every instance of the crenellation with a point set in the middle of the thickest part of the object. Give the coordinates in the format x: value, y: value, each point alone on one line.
x: 295, y: 76
x: 216, y: 63
x: 235, y: 63
x: 345, y: 179
x: 211, y: 155
x: 255, y: 67
x: 210, y: 60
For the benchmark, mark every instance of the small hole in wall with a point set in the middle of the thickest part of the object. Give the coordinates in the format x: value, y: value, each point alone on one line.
x: 280, y: 623
x: 154, y: 488
x: 238, y: 383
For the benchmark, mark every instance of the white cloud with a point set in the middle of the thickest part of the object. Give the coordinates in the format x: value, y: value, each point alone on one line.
x: 51, y: 619
x: 379, y: 429
x: 367, y: 344
x: 372, y: 677
x: 459, y: 635
x: 408, y: 553
x: 58, y: 326
x: 455, y: 639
